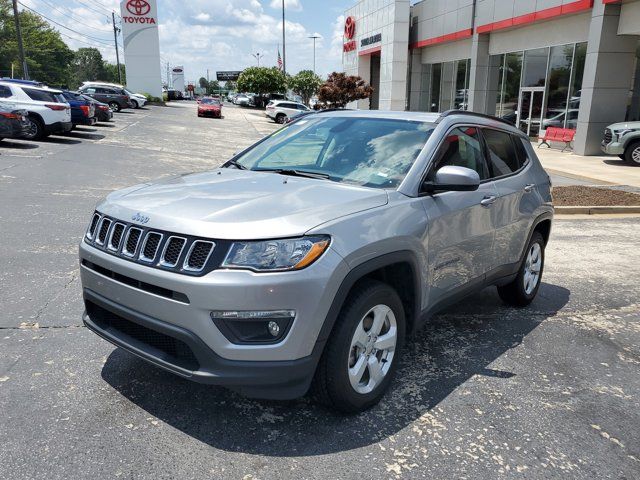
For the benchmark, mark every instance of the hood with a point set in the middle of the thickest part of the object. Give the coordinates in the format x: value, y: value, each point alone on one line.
x: 205, y: 106
x: 232, y: 204
x: 625, y: 126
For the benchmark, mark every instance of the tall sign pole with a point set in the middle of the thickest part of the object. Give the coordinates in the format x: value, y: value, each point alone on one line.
x: 115, y: 39
x: 284, y: 44
x: 25, y: 67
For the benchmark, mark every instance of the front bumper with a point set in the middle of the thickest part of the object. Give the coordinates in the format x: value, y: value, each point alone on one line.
x: 180, y: 351
x: 210, y: 113
x: 613, y: 148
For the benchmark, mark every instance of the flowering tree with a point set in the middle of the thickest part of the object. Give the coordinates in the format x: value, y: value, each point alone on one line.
x: 340, y: 89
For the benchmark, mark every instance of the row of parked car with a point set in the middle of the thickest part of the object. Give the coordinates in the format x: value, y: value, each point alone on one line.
x: 31, y: 110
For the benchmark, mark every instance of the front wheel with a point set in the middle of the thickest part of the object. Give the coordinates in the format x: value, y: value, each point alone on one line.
x: 114, y: 106
x: 363, y: 351
x: 521, y: 291
x: 632, y: 154
x: 281, y: 118
x: 134, y: 104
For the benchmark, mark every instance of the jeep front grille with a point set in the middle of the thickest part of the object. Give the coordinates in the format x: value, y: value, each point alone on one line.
x: 155, y: 248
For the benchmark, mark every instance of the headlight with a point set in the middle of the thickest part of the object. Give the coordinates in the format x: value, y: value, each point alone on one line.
x: 622, y: 133
x: 276, y: 255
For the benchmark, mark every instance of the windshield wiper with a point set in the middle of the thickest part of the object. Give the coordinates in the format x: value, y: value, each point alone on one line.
x: 239, y: 166
x: 298, y: 173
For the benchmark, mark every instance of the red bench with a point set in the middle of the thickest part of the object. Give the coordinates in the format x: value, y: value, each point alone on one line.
x: 555, y: 134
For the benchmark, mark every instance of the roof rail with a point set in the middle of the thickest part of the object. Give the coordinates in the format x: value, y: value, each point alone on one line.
x: 449, y: 113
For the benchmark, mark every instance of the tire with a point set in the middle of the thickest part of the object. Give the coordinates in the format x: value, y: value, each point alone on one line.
x: 520, y: 292
x: 632, y: 154
x: 114, y: 106
x: 621, y: 157
x: 333, y: 385
x: 134, y: 104
x: 281, y: 118
x: 35, y: 130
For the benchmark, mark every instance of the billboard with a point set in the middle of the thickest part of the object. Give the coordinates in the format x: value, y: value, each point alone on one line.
x: 177, y: 78
x: 228, y: 76
x: 141, y: 45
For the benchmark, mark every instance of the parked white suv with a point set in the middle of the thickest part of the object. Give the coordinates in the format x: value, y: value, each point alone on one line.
x: 136, y: 100
x: 282, y: 110
x: 48, y: 111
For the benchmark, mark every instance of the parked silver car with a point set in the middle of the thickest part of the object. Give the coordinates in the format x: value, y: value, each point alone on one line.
x: 310, y: 256
x: 623, y: 139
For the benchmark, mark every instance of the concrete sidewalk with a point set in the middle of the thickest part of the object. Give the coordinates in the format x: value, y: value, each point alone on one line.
x: 601, y: 170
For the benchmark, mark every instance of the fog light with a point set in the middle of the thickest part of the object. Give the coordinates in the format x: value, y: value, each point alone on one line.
x: 274, y: 328
x: 253, y: 326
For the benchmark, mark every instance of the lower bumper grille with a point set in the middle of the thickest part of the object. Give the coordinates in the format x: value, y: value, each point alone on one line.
x: 608, y: 136
x: 158, y: 344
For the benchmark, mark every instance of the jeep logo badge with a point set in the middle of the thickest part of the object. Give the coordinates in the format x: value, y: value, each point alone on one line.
x: 138, y: 217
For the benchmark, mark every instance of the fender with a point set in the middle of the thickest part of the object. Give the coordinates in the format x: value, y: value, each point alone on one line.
x: 539, y: 219
x: 357, y: 273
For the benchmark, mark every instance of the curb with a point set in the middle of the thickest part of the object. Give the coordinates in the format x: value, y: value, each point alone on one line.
x: 562, y: 173
x: 575, y: 210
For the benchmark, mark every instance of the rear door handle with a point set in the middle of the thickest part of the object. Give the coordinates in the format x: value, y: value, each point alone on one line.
x: 529, y: 188
x: 488, y: 201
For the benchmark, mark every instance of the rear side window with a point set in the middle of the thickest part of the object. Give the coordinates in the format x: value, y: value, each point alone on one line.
x: 462, y: 148
x: 40, y: 95
x: 5, y: 92
x: 523, y: 156
x: 503, y: 159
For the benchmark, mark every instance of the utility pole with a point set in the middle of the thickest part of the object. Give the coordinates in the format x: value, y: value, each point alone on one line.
x: 314, y: 37
x: 115, y: 39
x: 168, y: 77
x: 284, y: 45
x: 25, y: 67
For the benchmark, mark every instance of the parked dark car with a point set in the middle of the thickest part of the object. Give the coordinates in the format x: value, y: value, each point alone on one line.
x: 13, y: 123
x: 103, y: 111
x: 82, y: 111
x: 175, y: 95
x: 116, y: 98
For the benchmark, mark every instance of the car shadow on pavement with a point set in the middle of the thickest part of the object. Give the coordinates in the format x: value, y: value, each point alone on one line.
x: 84, y: 135
x: 618, y: 162
x: 61, y: 140
x: 453, y: 347
x: 18, y: 145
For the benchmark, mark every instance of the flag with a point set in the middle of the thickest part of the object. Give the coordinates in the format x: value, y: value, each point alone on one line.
x: 279, y: 59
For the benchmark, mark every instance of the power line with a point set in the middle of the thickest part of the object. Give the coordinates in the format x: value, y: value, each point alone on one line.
x: 71, y: 15
x: 99, y: 5
x: 99, y: 40
x: 94, y: 10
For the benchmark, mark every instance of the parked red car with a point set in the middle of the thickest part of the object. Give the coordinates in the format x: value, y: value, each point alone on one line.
x: 210, y: 107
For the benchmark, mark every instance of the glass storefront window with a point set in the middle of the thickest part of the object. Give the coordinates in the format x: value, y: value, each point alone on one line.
x: 511, y: 85
x: 535, y: 67
x: 559, y: 76
x: 462, y: 85
x: 579, y: 59
x: 436, y: 74
x: 447, y: 88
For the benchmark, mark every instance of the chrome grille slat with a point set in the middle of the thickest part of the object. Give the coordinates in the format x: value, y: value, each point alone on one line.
x: 93, y: 225
x: 131, y: 242
x: 198, y: 255
x: 608, y: 136
x: 115, y: 239
x: 172, y: 250
x: 150, y: 245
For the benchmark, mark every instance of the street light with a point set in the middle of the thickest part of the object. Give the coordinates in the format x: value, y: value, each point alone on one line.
x: 314, y: 37
x: 258, y: 56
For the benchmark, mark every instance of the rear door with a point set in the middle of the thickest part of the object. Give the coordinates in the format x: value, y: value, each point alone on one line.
x: 461, y: 232
x: 516, y: 202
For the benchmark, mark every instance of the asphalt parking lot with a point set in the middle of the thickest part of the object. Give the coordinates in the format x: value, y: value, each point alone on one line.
x: 484, y: 391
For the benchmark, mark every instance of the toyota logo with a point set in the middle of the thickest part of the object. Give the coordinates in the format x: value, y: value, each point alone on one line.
x: 138, y: 7
x: 350, y: 27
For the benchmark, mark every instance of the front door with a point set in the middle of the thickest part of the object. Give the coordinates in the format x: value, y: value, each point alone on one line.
x: 530, y: 106
x: 461, y: 232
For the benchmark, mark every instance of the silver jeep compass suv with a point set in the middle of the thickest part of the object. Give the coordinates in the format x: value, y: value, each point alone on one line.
x: 308, y: 258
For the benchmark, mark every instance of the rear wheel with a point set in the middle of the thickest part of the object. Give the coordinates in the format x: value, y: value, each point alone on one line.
x: 134, y: 104
x: 281, y: 118
x: 35, y: 129
x: 524, y: 288
x: 632, y: 154
x: 114, y: 106
x: 363, y: 352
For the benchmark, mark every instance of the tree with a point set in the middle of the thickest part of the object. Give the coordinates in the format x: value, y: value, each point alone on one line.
x: 47, y: 55
x: 230, y: 85
x: 306, y: 84
x: 210, y: 87
x: 340, y: 89
x: 87, y: 65
x: 111, y: 73
x: 203, y: 82
x: 262, y: 80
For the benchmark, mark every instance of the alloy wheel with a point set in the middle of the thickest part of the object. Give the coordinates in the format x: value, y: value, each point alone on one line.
x: 635, y: 155
x: 32, y: 129
x: 532, y: 268
x: 372, y: 349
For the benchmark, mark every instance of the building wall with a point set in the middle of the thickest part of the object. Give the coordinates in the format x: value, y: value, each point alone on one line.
x: 630, y: 19
x: 435, y: 21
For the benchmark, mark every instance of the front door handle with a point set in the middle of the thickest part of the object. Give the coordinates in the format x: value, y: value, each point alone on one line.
x: 488, y: 201
x: 529, y: 188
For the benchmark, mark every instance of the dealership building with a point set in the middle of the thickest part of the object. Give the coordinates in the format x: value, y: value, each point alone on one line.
x: 538, y: 63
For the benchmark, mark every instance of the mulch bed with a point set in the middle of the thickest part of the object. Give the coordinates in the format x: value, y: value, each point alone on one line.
x: 584, y: 196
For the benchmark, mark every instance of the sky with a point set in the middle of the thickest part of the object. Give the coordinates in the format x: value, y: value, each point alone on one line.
x: 215, y: 34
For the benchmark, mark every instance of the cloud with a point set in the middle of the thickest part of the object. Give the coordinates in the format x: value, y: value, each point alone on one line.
x: 292, y: 5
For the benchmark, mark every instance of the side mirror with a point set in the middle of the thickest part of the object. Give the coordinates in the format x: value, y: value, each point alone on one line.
x: 453, y: 179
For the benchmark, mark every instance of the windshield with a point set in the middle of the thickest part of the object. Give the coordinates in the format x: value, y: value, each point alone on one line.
x: 371, y: 152
x: 210, y: 101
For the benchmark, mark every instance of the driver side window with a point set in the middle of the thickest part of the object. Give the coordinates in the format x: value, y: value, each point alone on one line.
x: 462, y: 148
